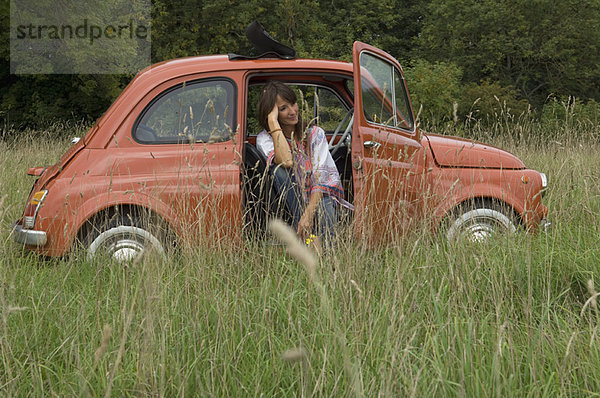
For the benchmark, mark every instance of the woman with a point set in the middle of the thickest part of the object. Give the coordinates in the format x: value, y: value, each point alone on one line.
x: 304, y: 174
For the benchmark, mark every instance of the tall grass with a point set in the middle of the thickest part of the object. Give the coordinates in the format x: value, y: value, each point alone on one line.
x: 510, y: 317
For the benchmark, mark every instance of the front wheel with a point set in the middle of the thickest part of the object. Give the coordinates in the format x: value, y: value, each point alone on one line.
x: 122, y: 241
x: 480, y: 222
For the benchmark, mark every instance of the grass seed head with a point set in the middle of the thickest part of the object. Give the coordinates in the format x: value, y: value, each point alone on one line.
x: 593, y: 294
x: 294, y: 355
x: 294, y: 246
x: 355, y: 285
x: 16, y: 309
x: 106, y: 332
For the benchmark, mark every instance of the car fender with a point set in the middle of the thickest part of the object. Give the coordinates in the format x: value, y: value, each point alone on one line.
x: 458, y: 192
x: 63, y: 233
x: 95, y: 205
x: 479, y: 191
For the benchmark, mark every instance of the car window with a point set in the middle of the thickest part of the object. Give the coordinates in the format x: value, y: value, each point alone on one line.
x: 316, y: 104
x: 403, y: 114
x: 384, y: 96
x: 200, y: 111
x: 330, y: 110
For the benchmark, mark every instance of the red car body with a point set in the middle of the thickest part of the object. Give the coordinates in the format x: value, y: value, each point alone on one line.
x: 196, y: 186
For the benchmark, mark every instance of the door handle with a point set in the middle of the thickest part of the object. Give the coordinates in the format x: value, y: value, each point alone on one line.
x: 371, y: 144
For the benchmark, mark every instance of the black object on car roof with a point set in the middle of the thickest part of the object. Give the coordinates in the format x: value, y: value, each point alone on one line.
x: 265, y: 45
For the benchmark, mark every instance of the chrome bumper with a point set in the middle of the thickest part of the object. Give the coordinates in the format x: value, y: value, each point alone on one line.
x: 28, y: 237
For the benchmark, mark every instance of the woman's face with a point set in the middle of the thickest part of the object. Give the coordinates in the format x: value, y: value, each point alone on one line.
x: 288, y: 113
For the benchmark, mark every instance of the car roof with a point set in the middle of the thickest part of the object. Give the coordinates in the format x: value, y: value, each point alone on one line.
x: 192, y: 65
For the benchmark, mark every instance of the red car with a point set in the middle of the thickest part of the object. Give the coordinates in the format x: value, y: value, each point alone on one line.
x: 175, y: 157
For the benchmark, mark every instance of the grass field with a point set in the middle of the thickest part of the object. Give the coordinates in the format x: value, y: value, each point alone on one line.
x: 515, y: 316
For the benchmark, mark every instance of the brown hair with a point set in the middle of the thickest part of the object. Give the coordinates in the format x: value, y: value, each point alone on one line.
x: 267, y: 101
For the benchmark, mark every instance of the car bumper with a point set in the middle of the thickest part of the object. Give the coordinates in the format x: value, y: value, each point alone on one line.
x: 28, y: 237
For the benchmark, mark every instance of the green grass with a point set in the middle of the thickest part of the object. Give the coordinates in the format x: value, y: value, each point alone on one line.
x: 505, y: 318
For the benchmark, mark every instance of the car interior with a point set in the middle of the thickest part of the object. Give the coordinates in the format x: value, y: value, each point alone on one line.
x: 322, y: 100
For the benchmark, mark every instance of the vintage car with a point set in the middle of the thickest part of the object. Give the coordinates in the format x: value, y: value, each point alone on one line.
x: 174, y: 159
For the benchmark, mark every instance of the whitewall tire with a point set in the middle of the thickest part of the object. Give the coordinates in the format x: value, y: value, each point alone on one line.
x: 480, y: 222
x: 123, y: 243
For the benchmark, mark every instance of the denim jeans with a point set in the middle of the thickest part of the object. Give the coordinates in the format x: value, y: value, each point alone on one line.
x: 326, y: 220
x: 289, y: 194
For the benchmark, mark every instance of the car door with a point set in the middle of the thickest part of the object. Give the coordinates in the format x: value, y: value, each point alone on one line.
x: 385, y: 146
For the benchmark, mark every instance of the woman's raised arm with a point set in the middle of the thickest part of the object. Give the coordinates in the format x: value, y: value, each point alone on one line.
x: 283, y: 153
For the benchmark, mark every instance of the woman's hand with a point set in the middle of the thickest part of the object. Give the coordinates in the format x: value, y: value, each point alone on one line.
x: 273, y: 116
x: 305, y: 225
x: 283, y: 153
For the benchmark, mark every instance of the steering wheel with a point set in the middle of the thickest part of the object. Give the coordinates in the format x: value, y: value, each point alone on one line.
x: 333, y: 148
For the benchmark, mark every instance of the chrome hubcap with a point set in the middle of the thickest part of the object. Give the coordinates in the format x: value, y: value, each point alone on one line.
x: 477, y: 233
x: 124, y: 243
x: 125, y: 250
x: 479, y: 225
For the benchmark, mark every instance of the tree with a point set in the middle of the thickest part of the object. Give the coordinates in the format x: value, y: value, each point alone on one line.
x: 435, y: 88
x: 539, y: 47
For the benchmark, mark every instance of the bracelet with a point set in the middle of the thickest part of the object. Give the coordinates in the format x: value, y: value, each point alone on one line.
x: 273, y: 131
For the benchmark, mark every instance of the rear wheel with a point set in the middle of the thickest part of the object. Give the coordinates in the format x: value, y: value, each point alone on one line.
x: 478, y: 222
x: 123, y: 239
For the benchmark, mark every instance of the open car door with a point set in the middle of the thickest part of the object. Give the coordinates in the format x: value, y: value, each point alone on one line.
x: 385, y: 146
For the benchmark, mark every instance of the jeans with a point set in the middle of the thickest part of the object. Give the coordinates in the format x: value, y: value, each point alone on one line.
x: 326, y: 219
x: 289, y: 194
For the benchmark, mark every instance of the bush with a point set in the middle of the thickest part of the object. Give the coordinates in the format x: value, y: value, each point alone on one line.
x: 575, y: 117
x: 569, y: 111
x: 488, y: 102
x: 434, y: 89
x: 40, y: 101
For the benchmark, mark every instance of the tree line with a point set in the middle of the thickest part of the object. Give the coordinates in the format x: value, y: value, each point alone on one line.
x: 464, y: 59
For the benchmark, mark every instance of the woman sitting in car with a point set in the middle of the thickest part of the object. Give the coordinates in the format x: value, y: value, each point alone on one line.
x: 304, y: 174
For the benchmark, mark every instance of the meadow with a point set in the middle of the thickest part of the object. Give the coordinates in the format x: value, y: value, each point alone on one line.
x: 514, y: 316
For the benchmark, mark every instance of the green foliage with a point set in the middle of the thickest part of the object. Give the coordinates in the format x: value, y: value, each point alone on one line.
x: 434, y: 89
x: 36, y: 45
x: 571, y: 112
x: 392, y: 25
x: 538, y: 47
x: 488, y: 101
x: 39, y: 100
x: 515, y: 50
